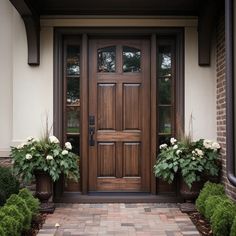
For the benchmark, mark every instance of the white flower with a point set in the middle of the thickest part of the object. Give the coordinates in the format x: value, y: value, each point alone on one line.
x: 49, y: 157
x: 68, y: 145
x: 28, y: 156
x: 207, y: 143
x: 175, y: 147
x: 64, y: 152
x: 35, y: 140
x: 53, y: 139
x: 163, y: 146
x: 21, y: 145
x: 215, y: 145
x: 193, y: 152
x: 29, y: 139
x: 57, y: 225
x: 178, y: 152
x: 199, y: 152
x: 173, y: 141
x: 193, y: 158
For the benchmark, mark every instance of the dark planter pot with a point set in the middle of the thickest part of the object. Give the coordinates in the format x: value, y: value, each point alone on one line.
x: 188, y: 194
x: 44, y: 190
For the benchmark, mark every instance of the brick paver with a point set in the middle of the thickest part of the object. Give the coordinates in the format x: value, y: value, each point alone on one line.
x: 118, y: 220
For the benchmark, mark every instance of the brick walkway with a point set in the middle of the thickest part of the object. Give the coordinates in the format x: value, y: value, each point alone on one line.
x: 119, y: 220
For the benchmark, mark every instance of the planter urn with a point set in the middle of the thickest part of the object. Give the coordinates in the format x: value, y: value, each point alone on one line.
x: 44, y: 191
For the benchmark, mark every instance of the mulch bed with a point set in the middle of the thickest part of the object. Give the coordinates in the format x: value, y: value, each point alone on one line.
x: 36, y: 225
x: 201, y: 223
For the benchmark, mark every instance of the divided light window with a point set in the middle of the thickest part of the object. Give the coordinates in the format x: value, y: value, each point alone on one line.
x: 72, y: 55
x: 165, y: 90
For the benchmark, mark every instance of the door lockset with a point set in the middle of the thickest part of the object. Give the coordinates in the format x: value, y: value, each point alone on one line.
x: 91, y: 136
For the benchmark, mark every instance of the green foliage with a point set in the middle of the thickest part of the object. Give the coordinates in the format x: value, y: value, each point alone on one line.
x: 8, y: 184
x: 13, y: 211
x: 233, y: 228
x: 223, y: 217
x: 2, y: 232
x: 211, y: 204
x: 23, y: 209
x: 209, y: 189
x: 192, y: 159
x: 31, y: 202
x: 167, y: 164
x: 44, y: 155
x: 9, y: 225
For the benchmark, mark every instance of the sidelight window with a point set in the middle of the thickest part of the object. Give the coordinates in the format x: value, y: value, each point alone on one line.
x: 165, y: 91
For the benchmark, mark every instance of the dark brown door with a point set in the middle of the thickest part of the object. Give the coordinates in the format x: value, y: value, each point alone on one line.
x: 119, y: 112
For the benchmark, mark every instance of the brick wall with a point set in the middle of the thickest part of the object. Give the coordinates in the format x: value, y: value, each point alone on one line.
x: 5, y: 161
x: 221, y: 103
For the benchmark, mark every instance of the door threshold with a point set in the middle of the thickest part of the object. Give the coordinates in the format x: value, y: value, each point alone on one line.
x: 76, y: 197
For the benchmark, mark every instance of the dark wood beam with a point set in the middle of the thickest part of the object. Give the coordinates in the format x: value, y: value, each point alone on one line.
x: 32, y: 26
x: 206, y: 25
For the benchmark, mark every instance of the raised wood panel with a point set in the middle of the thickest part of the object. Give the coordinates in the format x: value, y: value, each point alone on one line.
x: 106, y: 106
x: 131, y: 110
x: 119, y: 184
x: 106, y: 163
x: 131, y: 155
x: 116, y: 136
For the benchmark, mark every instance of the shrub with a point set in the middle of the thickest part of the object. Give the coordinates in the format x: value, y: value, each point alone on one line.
x: 209, y: 189
x: 222, y: 218
x: 2, y: 232
x: 211, y: 203
x: 22, y: 207
x: 233, y: 228
x: 31, y: 202
x: 8, y: 184
x: 9, y: 225
x: 14, y: 212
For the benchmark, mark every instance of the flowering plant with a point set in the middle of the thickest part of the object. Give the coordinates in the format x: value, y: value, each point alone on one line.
x: 44, y: 155
x: 192, y: 159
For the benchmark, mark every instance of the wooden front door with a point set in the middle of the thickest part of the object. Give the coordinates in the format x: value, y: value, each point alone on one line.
x: 119, y: 115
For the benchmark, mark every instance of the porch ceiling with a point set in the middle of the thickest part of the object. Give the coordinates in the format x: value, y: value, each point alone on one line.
x: 32, y: 10
x: 131, y: 7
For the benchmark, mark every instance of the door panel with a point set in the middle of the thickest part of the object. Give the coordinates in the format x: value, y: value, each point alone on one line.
x: 119, y: 100
x: 106, y: 113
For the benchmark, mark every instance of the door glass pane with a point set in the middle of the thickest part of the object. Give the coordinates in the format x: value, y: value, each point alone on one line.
x: 131, y: 59
x: 73, y: 115
x: 73, y: 91
x: 75, y: 142
x: 73, y: 60
x: 165, y: 119
x: 164, y: 91
x: 107, y: 59
x: 164, y: 61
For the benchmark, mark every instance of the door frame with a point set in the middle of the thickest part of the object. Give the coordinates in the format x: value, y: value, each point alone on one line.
x: 153, y: 33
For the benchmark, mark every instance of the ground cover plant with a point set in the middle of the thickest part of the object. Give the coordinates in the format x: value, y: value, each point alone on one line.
x: 215, y: 210
x: 8, y: 184
x: 18, y: 213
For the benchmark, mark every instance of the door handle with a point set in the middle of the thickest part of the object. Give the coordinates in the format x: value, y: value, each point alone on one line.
x: 91, y: 134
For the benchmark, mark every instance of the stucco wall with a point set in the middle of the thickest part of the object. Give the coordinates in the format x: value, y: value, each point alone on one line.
x: 200, y: 89
x: 26, y: 93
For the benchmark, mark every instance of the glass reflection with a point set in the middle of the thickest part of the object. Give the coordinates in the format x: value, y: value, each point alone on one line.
x: 165, y: 120
x: 164, y: 59
x: 165, y: 91
x: 73, y: 91
x: 75, y: 142
x: 73, y: 60
x: 73, y: 118
x: 131, y: 59
x: 107, y: 59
